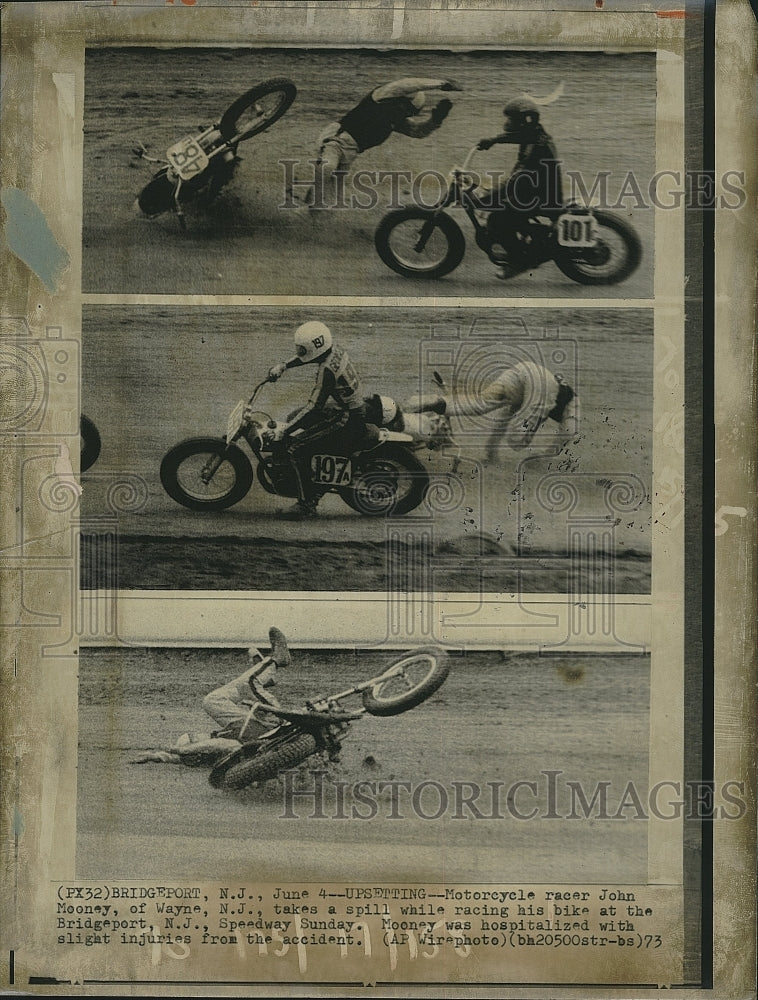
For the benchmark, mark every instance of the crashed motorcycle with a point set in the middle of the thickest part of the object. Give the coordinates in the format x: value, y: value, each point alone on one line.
x: 90, y: 443
x: 213, y: 473
x: 199, y: 165
x: 589, y: 246
x: 320, y: 727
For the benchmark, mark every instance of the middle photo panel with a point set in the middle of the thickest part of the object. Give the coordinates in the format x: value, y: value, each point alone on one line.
x: 368, y: 448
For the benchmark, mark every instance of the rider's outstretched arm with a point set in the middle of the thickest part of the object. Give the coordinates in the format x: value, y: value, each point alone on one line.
x: 419, y: 126
x: 411, y: 85
x: 502, y: 137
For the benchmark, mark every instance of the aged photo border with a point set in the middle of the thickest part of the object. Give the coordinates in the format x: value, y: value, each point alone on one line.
x: 700, y: 552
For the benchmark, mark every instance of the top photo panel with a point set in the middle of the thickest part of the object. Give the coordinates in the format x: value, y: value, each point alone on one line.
x: 365, y: 172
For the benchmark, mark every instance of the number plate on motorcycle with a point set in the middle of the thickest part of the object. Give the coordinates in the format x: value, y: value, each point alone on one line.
x: 187, y: 157
x: 577, y: 230
x: 234, y: 422
x: 333, y: 470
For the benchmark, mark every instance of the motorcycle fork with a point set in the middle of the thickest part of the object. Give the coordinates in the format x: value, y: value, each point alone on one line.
x: 211, y: 467
x: 180, y: 211
x: 428, y: 227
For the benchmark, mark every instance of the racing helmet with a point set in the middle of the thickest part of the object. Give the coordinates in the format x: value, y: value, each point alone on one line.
x: 418, y: 100
x: 312, y: 340
x: 383, y: 411
x: 521, y: 112
x: 388, y: 409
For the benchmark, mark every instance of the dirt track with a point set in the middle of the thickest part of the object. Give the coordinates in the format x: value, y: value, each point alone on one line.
x: 499, y: 717
x: 247, y: 244
x: 152, y: 376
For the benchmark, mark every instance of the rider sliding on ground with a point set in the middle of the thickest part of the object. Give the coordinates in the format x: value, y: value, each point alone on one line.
x: 521, y: 398
x: 237, y: 707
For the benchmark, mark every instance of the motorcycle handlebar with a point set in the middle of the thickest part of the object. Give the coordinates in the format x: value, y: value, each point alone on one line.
x: 258, y: 388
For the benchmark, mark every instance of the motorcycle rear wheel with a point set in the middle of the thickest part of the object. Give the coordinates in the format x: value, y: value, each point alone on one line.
x: 616, y: 256
x: 181, y: 470
x: 423, y: 672
x: 397, y: 237
x: 389, y: 482
x: 257, y: 109
x: 268, y: 763
x: 90, y: 443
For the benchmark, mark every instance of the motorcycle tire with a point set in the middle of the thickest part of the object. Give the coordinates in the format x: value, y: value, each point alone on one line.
x: 592, y: 267
x: 180, y: 474
x: 90, y: 443
x: 398, y: 233
x: 268, y: 763
x: 395, y: 694
x: 157, y: 196
x: 376, y: 491
x: 233, y: 126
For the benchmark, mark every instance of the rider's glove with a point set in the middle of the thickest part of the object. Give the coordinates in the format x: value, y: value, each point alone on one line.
x: 440, y: 111
x: 450, y: 85
x: 276, y: 372
x: 485, y: 144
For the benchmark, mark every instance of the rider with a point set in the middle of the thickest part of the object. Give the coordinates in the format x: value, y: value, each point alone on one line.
x: 534, y: 185
x: 392, y: 107
x: 523, y: 397
x: 337, y: 382
x: 231, y: 704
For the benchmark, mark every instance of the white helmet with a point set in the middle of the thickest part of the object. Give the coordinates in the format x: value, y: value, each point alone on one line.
x: 312, y: 340
x: 419, y: 100
x: 389, y: 410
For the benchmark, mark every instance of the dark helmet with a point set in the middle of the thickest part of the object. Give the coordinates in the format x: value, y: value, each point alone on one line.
x: 523, y: 112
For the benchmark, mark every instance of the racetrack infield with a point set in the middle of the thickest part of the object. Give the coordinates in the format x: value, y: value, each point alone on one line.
x: 499, y: 717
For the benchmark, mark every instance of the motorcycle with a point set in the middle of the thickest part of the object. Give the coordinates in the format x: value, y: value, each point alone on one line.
x: 214, y: 473
x: 321, y: 726
x: 203, y: 162
x: 590, y: 247
x: 90, y: 443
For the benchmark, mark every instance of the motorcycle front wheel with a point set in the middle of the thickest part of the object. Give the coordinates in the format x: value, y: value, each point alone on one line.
x: 257, y: 109
x: 419, y: 243
x: 615, y: 256
x: 157, y: 196
x: 388, y: 482
x: 90, y: 443
x: 267, y: 763
x: 184, y: 471
x: 409, y: 681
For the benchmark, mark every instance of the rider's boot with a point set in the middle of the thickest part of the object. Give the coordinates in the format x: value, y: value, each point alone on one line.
x: 299, y: 511
x: 307, y: 504
x: 280, y: 653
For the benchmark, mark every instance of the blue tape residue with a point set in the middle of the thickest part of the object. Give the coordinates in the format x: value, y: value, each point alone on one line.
x: 18, y: 823
x: 29, y: 237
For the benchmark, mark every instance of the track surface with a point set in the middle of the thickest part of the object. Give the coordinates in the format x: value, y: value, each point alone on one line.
x: 152, y: 376
x: 245, y: 243
x: 498, y: 717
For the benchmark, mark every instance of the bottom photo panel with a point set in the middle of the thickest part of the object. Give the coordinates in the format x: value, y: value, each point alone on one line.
x: 416, y: 764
